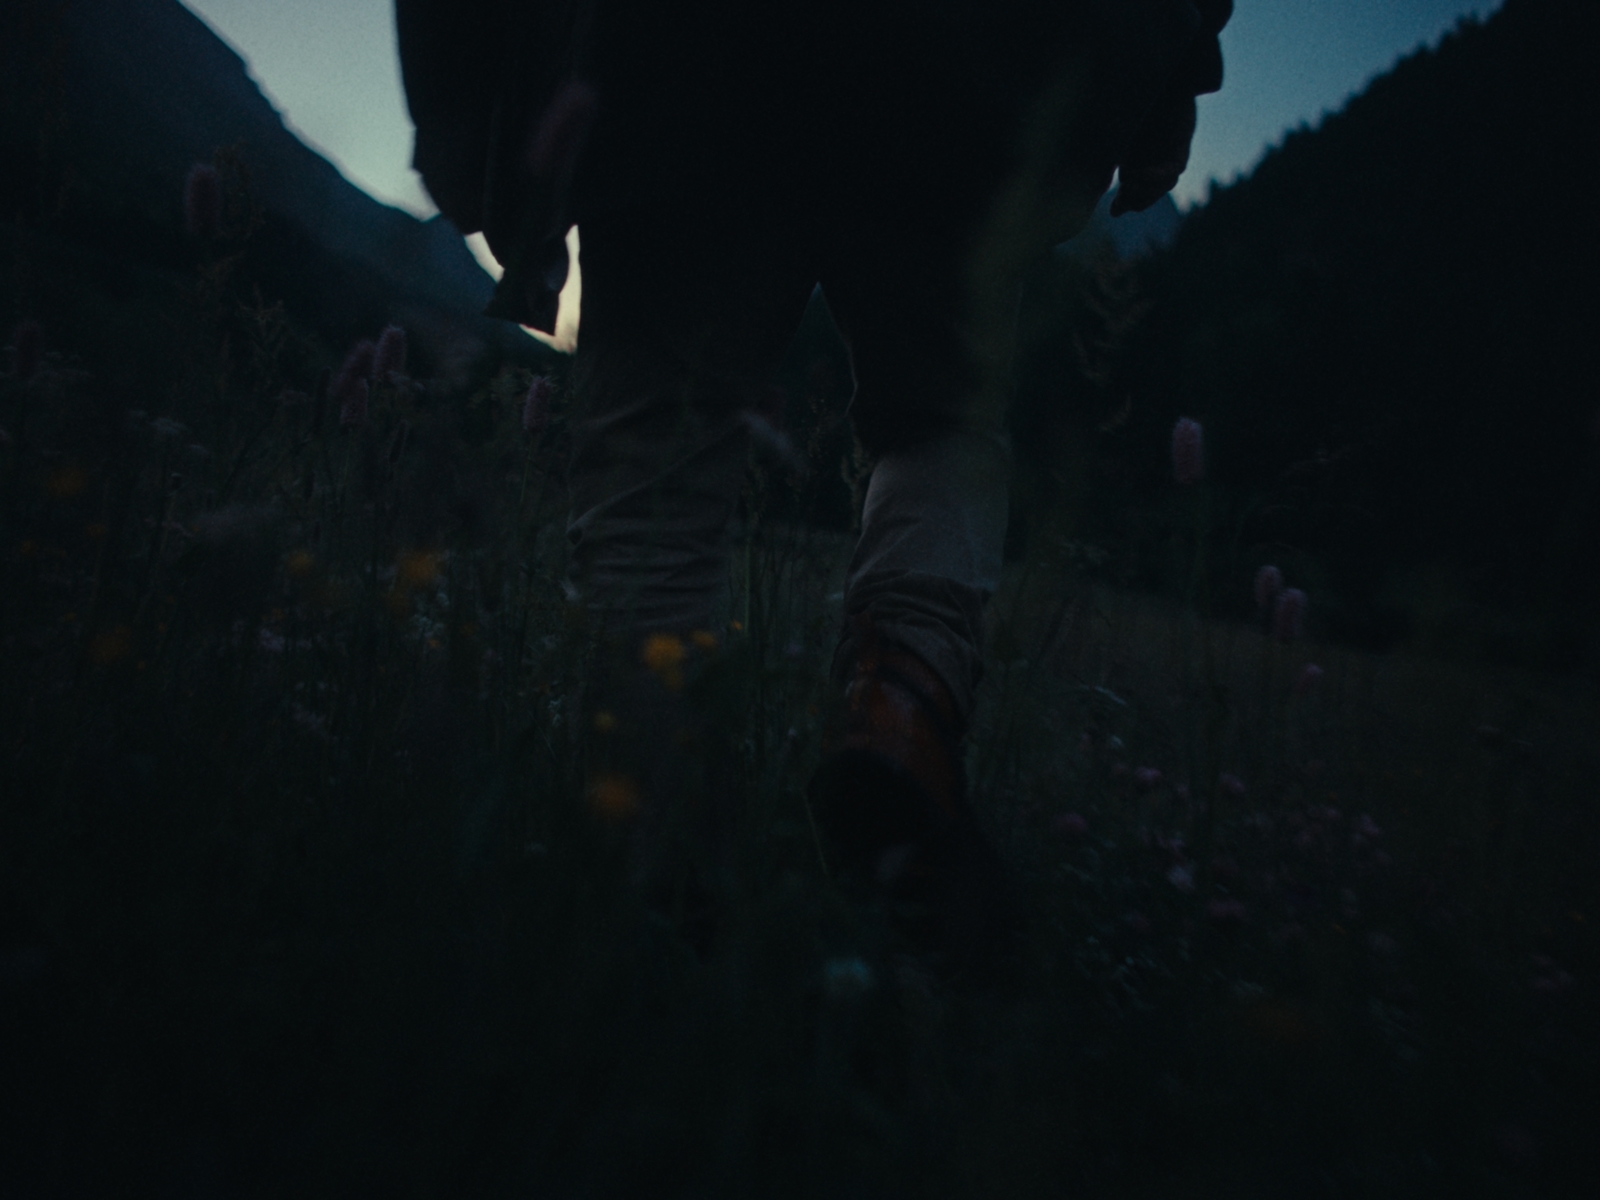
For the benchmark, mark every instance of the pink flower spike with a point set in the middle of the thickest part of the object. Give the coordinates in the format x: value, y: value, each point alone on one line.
x: 202, y: 201
x: 1289, y: 616
x: 1269, y: 582
x: 1306, y: 682
x: 1147, y: 777
x: 1187, y: 456
x: 27, y: 348
x: 389, y: 358
x: 1072, y: 825
x: 536, y: 406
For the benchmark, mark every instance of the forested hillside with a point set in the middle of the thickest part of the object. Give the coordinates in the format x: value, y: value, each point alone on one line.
x: 1385, y: 331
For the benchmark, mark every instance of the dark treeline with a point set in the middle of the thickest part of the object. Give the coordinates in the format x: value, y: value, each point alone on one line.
x: 1384, y: 331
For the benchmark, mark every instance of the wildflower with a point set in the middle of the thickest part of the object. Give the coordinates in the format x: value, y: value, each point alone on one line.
x: 1269, y: 582
x: 614, y: 797
x: 846, y: 978
x: 1231, y: 785
x: 1181, y: 877
x: 202, y: 201
x: 1137, y: 922
x: 1071, y: 824
x: 536, y: 406
x: 27, y: 346
x: 1289, y: 615
x: 1187, y: 461
x: 604, y: 722
x: 1226, y: 911
x: 704, y: 639
x: 1147, y: 777
x: 665, y: 654
x: 1306, y: 681
x: 389, y: 357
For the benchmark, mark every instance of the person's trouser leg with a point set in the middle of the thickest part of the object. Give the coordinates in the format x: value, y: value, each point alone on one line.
x: 682, y: 326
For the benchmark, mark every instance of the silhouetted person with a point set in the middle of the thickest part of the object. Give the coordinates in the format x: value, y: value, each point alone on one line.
x: 720, y: 160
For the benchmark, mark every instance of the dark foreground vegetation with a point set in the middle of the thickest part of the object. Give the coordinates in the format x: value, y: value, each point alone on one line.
x: 317, y: 864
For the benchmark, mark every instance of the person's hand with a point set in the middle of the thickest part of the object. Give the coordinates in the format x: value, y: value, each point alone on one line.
x: 1160, y: 149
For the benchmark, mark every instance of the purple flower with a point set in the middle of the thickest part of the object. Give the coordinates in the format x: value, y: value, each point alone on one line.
x: 353, y: 407
x: 389, y: 358
x: 1147, y: 777
x: 1310, y: 675
x: 536, y: 406
x: 1072, y: 824
x: 1187, y: 458
x: 1269, y: 582
x: 1231, y: 785
x: 202, y: 201
x: 1289, y: 616
x: 27, y: 348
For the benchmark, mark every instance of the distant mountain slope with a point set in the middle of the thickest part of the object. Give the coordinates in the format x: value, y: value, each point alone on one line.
x: 113, y: 100
x: 1387, y: 327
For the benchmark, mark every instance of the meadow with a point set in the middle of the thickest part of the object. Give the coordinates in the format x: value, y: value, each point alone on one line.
x: 321, y: 869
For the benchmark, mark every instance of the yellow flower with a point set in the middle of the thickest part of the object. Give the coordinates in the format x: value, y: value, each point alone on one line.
x: 665, y: 654
x: 614, y: 797
x: 605, y: 722
x: 704, y: 639
x: 418, y: 568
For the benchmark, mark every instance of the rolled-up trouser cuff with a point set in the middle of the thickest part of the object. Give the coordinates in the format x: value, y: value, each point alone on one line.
x: 930, y: 553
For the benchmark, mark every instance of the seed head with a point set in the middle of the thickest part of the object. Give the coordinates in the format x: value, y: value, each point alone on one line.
x: 1188, y: 465
x: 536, y: 406
x: 27, y: 348
x: 1289, y: 616
x: 202, y: 201
x: 389, y: 358
x: 1269, y: 582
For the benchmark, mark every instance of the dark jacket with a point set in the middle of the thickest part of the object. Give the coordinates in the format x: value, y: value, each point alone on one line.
x: 529, y: 111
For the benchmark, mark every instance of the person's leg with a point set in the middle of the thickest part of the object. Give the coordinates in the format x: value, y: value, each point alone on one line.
x: 683, y: 323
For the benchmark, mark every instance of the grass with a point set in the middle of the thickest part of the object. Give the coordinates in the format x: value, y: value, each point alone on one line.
x: 321, y: 871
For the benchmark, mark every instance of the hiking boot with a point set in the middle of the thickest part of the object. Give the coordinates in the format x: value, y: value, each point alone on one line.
x: 890, y: 803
